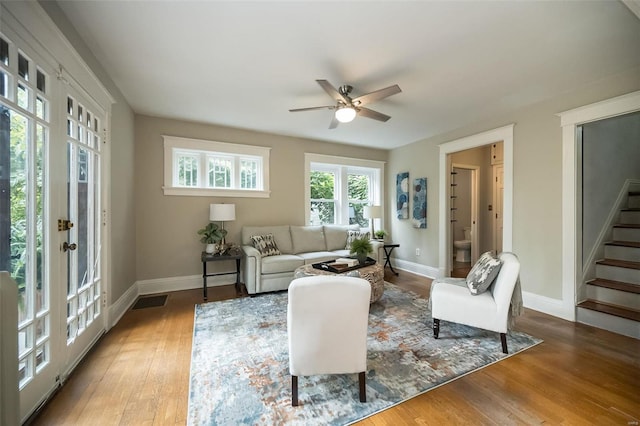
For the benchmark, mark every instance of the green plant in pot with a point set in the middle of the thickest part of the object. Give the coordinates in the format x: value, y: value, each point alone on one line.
x: 211, y: 235
x: 361, y: 247
x: 380, y: 234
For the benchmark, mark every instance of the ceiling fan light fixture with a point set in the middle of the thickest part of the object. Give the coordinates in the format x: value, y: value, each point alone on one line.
x: 345, y: 114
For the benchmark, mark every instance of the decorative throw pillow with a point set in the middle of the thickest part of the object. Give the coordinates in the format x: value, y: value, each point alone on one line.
x: 355, y: 235
x: 483, y: 273
x: 265, y: 244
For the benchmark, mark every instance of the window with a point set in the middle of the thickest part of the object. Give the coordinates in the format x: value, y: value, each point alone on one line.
x: 208, y: 168
x: 338, y: 189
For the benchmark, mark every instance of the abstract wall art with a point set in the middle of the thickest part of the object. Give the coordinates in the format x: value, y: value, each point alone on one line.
x: 402, y: 195
x: 420, y: 203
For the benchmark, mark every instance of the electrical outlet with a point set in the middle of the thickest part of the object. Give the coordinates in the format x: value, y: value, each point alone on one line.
x: 417, y: 252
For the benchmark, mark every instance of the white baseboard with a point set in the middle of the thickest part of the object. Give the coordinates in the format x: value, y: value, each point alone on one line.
x: 122, y: 305
x: 161, y: 285
x: 415, y: 268
x: 547, y: 305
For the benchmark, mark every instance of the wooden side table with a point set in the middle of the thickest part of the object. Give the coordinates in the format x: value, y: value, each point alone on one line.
x: 388, y: 248
x: 206, y: 257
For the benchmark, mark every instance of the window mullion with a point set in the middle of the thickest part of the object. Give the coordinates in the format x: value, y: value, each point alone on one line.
x: 203, y: 171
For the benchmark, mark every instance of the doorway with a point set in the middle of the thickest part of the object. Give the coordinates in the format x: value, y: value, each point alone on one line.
x: 51, y: 200
x: 464, y: 199
x: 504, y: 134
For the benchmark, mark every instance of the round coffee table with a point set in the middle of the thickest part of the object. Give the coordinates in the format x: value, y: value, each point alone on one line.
x: 372, y: 273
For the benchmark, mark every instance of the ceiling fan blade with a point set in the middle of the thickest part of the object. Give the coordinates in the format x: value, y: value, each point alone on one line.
x: 377, y: 95
x: 334, y: 122
x: 332, y: 91
x: 369, y: 113
x: 313, y: 108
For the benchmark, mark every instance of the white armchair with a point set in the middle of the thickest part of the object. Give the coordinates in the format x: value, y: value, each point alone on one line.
x: 489, y: 310
x: 327, y: 322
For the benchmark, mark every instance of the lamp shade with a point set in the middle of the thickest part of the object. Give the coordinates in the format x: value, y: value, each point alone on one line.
x: 345, y: 114
x: 372, y: 212
x: 222, y: 212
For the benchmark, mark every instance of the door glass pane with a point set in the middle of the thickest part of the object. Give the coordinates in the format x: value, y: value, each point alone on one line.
x: 83, y: 295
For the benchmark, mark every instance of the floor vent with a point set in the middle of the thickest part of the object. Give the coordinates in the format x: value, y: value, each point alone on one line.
x: 150, y: 302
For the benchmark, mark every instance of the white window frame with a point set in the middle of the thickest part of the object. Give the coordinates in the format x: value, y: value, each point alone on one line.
x: 342, y: 166
x: 174, y: 144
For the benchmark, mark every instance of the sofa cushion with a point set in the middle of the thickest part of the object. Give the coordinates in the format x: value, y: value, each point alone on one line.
x: 342, y: 253
x: 281, y: 234
x: 335, y: 236
x: 353, y: 235
x: 265, y: 244
x: 307, y: 239
x: 483, y: 273
x: 281, y: 263
x: 318, y: 256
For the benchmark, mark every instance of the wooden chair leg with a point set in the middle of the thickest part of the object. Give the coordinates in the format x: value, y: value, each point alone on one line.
x: 436, y: 328
x: 362, y: 379
x: 503, y: 339
x: 294, y: 391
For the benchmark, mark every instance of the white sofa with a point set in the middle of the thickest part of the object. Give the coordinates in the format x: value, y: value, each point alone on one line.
x: 298, y: 245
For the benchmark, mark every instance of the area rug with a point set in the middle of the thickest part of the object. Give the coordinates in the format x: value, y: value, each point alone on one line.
x: 240, y: 365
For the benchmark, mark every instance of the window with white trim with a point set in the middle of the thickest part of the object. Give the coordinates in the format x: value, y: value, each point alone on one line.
x: 209, y: 168
x: 338, y: 188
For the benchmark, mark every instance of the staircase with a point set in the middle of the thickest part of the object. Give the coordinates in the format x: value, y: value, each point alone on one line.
x: 613, y: 297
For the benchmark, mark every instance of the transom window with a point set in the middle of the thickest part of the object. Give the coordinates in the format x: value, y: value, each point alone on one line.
x: 208, y: 168
x: 339, y: 188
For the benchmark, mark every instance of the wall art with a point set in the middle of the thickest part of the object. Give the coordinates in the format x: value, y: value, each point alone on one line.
x: 420, y: 203
x: 402, y: 195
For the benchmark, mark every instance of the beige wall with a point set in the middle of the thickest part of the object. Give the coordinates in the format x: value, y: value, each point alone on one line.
x: 166, y: 240
x: 537, y: 194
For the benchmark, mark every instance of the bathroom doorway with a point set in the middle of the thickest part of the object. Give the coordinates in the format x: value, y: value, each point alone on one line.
x: 460, y: 151
x: 464, y: 217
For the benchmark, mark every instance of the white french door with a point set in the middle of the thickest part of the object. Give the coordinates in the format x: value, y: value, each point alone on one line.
x: 82, y: 247
x: 51, y: 199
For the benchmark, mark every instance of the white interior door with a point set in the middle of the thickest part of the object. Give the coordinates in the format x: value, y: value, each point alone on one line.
x: 84, y: 297
x: 27, y: 236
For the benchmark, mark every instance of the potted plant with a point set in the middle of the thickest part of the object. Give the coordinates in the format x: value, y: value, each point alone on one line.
x: 211, y: 235
x: 380, y: 234
x: 361, y: 247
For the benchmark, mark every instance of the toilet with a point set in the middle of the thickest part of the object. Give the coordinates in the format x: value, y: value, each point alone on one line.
x: 463, y: 247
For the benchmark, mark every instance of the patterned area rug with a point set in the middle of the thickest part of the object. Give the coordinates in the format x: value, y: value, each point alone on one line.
x: 240, y: 364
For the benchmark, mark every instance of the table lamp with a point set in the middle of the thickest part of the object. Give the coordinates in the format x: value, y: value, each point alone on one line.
x: 222, y: 213
x: 372, y: 212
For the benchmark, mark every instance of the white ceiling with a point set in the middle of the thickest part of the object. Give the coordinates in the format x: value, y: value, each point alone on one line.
x: 245, y: 64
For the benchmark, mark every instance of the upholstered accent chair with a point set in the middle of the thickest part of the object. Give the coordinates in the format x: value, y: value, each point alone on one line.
x: 327, y: 322
x: 490, y: 310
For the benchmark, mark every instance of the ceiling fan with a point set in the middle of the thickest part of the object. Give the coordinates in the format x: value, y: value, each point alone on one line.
x: 347, y: 108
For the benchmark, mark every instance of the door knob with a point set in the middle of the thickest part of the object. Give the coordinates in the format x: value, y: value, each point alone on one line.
x: 66, y: 246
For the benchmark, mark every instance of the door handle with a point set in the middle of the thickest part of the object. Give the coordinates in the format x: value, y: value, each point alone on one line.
x: 66, y: 246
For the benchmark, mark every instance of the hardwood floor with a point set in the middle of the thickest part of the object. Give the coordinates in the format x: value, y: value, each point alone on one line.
x: 138, y: 374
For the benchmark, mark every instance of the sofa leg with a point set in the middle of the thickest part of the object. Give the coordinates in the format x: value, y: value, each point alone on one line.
x: 294, y: 391
x: 362, y: 380
x: 436, y: 328
x: 503, y: 339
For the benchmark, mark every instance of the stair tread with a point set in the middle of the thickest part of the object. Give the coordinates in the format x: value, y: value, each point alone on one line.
x: 619, y: 263
x: 627, y: 225
x: 611, y: 309
x: 615, y: 285
x: 631, y: 209
x: 635, y: 244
